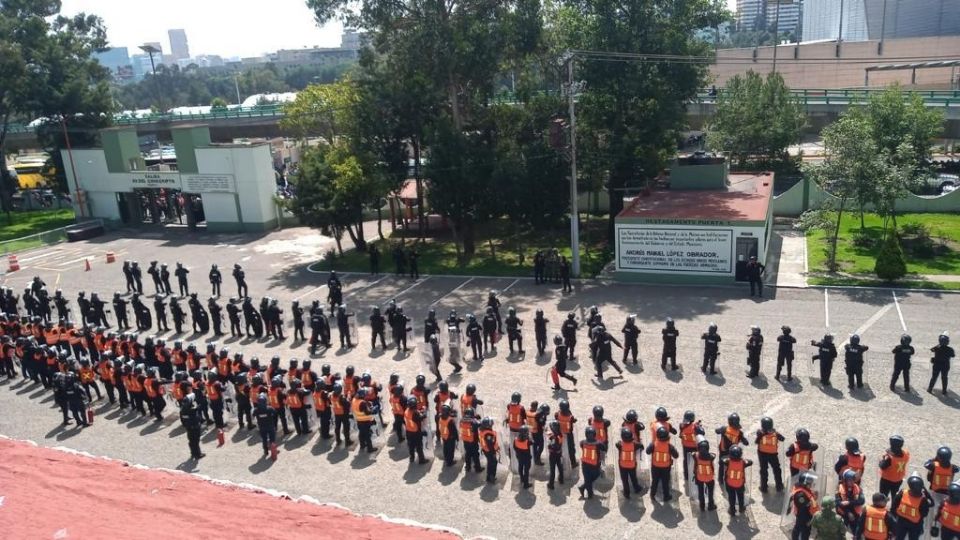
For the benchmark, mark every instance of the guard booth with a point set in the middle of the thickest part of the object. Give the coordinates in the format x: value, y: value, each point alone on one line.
x: 702, y: 226
x: 226, y: 187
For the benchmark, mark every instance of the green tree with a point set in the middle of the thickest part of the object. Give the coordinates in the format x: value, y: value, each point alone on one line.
x: 756, y: 119
x: 890, y: 265
x: 47, y: 72
x: 218, y: 104
x: 324, y: 110
x: 632, y: 109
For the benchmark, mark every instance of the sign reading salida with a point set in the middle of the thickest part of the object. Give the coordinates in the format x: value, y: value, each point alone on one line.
x: 675, y: 250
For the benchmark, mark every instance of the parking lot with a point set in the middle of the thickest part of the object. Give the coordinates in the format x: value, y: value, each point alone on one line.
x: 277, y: 265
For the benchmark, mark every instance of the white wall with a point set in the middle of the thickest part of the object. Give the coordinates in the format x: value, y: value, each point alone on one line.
x: 757, y: 232
x: 252, y: 169
x: 94, y: 178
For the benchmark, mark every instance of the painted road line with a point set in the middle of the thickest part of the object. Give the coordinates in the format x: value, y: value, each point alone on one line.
x: 365, y: 287
x: 871, y: 321
x: 401, y: 293
x: 437, y: 301
x: 311, y: 291
x: 899, y: 312
x: 826, y: 309
x: 55, y: 251
x: 510, y: 285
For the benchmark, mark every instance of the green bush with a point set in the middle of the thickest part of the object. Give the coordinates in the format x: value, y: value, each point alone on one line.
x: 862, y: 239
x: 890, y: 265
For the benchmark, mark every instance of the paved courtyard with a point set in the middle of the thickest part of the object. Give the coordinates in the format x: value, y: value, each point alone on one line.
x: 277, y: 265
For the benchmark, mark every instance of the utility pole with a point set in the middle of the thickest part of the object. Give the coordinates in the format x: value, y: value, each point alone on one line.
x: 236, y: 85
x: 574, y: 211
x: 776, y: 33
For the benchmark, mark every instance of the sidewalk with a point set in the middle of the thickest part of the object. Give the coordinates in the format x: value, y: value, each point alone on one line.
x: 791, y: 266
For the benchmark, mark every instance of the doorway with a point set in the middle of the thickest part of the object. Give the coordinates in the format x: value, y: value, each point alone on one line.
x: 746, y: 247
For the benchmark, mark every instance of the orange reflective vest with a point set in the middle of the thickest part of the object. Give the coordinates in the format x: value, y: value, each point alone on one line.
x: 350, y: 386
x: 307, y: 379
x: 875, y: 524
x: 704, y: 469
x: 319, y: 401
x: 515, y: 416
x: 410, y: 422
x: 73, y: 337
x: 488, y: 440
x: 600, y: 426
x: 897, y: 469
x: 273, y: 398
x: 86, y: 375
x: 446, y: 428
x: 909, y: 508
x: 467, y: 402
x: 566, y: 422
x: 421, y: 396
x: 731, y: 435
x: 133, y: 384
x: 532, y: 421
x: 950, y: 516
x: 179, y: 357
x: 812, y: 504
x: 358, y: 414
x: 293, y: 374
x: 844, y: 493
x: 466, y: 431
x: 628, y: 455
x: 941, y: 477
x: 733, y: 475
x: 396, y: 405
x: 223, y: 366
x: 193, y: 363
x: 254, y: 392
x: 855, y: 463
x: 213, y: 391
x: 688, y: 435
x: 800, y: 459
x: 212, y: 360
x: 591, y: 454
x: 52, y: 336
x: 106, y: 372
x: 336, y: 403
x: 656, y: 424
x: 177, y: 392
x: 661, y: 455
x: 769, y: 443
x: 153, y: 387
x: 521, y: 446
x: 294, y: 401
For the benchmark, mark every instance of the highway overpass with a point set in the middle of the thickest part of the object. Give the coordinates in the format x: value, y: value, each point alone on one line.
x: 822, y: 106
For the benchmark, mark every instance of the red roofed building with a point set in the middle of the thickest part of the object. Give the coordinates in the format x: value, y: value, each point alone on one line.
x: 703, y: 227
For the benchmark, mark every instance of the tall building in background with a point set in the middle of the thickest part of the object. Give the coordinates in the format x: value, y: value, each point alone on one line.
x: 113, y: 58
x: 879, y: 19
x: 750, y: 15
x: 178, y: 44
x: 789, y: 15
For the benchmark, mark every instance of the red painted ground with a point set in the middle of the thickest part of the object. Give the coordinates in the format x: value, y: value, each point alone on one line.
x: 48, y: 494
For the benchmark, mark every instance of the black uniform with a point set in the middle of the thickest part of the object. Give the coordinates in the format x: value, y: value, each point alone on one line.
x: 298, y: 322
x: 120, y: 310
x: 540, y: 333
x: 475, y: 339
x: 785, y: 354
x: 853, y: 360
x: 128, y: 276
x: 165, y: 279
x: 513, y: 332
x: 826, y: 354
x: 755, y: 276
x: 190, y: 419
x: 267, y: 423
x: 216, y: 279
x: 490, y: 322
x: 216, y: 317
x: 377, y: 329
x: 901, y: 364
x: 181, y: 273
x: 670, y: 335
x: 754, y: 350
x: 711, y: 350
x: 161, y: 310
x: 631, y: 341
x: 240, y: 276
x: 154, y: 272
x: 569, y: 332
x: 137, y: 274
x: 942, y: 354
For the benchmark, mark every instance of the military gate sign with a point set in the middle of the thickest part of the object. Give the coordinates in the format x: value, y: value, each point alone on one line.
x: 675, y: 249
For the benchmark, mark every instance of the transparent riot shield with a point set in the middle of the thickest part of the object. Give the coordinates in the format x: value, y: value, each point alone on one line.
x: 608, y: 470
x: 506, y: 445
x: 426, y: 427
x: 454, y: 345
x: 928, y: 521
x: 690, y: 486
x: 827, y: 483
x: 787, y: 515
x: 352, y: 330
x: 229, y: 398
x: 426, y: 359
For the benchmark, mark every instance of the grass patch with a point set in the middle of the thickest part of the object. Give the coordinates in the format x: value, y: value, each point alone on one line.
x: 856, y: 250
x: 32, y: 227
x: 33, y: 222
x: 512, y: 253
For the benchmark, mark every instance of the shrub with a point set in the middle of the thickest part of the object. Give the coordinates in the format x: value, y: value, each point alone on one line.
x: 862, y: 238
x: 890, y: 265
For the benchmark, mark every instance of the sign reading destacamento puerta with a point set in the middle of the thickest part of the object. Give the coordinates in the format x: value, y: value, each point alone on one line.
x: 672, y: 250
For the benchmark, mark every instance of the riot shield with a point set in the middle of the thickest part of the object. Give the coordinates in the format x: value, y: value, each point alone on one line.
x: 229, y: 398
x: 454, y: 345
x: 379, y: 434
x: 690, y: 486
x: 506, y: 447
x: 787, y: 515
x: 203, y: 320
x: 928, y: 521
x: 608, y: 471
x: 426, y: 358
x: 426, y: 427
x: 352, y: 330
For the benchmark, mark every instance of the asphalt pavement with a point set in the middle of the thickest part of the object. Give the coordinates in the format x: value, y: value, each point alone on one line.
x: 383, y: 483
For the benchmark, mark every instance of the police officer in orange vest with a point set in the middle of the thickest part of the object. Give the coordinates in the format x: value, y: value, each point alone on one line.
x: 413, y: 423
x: 662, y: 455
x: 850, y: 501
x: 893, y: 467
x: 801, y: 452
x: 690, y: 430
x: 911, y: 506
x: 704, y: 475
x: 768, y: 453
x: 490, y: 445
x: 341, y: 414
x: 521, y: 452
x: 627, y: 461
x: 853, y: 458
x: 449, y: 434
x: 947, y: 523
x: 398, y: 404
x: 731, y: 434
x: 537, y: 416
x: 297, y: 400
x: 214, y: 391
x: 267, y: 422
x: 590, y: 450
x: 567, y: 421
x: 470, y: 435
x: 940, y: 471
x: 876, y: 522
x: 735, y: 477
x: 805, y: 506
x: 362, y: 411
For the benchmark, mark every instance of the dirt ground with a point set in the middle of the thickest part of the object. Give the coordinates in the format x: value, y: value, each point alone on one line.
x: 383, y: 483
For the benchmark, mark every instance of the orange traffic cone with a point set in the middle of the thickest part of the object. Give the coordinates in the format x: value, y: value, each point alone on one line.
x: 14, y: 264
x: 86, y: 263
x: 220, y: 437
x: 273, y: 451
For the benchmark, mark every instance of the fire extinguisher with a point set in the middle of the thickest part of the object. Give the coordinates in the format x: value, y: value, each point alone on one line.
x: 220, y: 437
x: 89, y: 415
x: 555, y: 376
x: 274, y: 451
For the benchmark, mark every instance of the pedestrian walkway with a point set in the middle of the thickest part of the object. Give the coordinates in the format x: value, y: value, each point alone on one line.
x: 791, y: 265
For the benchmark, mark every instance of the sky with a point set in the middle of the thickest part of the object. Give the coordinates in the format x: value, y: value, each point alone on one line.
x: 224, y: 27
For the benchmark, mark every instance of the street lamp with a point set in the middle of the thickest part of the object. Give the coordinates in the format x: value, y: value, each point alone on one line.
x: 151, y: 50
x: 572, y: 88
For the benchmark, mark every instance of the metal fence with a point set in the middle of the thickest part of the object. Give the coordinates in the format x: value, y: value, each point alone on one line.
x: 45, y: 238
